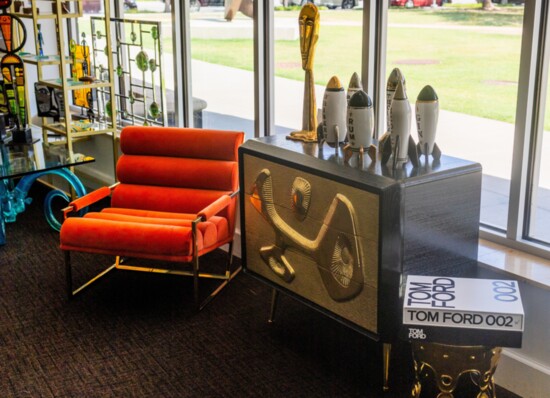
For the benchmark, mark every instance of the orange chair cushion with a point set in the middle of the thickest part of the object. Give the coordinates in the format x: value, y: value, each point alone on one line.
x: 166, y: 199
x: 220, y: 223
x: 123, y: 238
x: 184, y: 142
x: 177, y: 172
x: 207, y: 229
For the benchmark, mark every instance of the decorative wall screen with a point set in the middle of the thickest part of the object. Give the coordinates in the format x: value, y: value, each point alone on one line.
x: 137, y: 62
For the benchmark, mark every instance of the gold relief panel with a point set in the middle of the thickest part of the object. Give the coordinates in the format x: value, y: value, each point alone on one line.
x: 313, y: 236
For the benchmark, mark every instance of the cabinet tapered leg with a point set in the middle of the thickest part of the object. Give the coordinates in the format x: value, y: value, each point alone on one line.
x: 386, y: 352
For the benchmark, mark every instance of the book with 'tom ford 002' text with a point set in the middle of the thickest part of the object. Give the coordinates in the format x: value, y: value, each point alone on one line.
x: 462, y: 311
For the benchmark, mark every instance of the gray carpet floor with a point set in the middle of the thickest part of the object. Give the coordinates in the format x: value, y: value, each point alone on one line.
x: 136, y: 335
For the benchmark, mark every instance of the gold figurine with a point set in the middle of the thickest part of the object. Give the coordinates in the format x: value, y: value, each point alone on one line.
x: 309, y: 34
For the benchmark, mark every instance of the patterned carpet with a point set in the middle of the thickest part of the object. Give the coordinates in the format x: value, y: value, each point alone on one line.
x: 136, y: 335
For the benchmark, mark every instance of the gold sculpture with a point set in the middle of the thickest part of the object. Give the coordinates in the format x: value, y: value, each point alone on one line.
x: 309, y: 34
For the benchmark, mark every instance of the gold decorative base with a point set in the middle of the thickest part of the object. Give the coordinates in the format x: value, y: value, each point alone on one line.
x: 303, y: 135
x: 448, y: 363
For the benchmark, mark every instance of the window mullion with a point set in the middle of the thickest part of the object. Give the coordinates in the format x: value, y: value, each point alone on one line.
x: 264, y: 81
x: 526, y: 117
x: 182, y: 62
x: 373, y: 73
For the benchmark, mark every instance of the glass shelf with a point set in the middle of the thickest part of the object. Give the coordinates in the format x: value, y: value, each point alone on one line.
x: 18, y: 160
x: 74, y: 84
x: 79, y: 130
x: 42, y: 60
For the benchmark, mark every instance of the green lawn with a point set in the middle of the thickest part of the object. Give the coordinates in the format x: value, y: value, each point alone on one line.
x: 472, y: 71
x: 509, y: 16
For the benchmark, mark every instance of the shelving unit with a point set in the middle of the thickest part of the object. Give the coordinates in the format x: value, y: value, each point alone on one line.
x: 62, y: 134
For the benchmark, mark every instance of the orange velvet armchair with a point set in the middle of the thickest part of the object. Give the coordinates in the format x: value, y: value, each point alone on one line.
x: 175, y: 200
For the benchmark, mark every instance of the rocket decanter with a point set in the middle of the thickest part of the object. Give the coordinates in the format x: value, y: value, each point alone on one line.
x: 427, y: 114
x: 334, y: 113
x: 395, y: 77
x: 354, y: 85
x: 360, y: 127
x: 400, y: 145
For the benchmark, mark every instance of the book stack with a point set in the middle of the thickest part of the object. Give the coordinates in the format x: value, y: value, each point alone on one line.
x: 462, y: 311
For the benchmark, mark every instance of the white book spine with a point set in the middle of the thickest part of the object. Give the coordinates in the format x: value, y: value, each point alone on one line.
x: 463, y: 319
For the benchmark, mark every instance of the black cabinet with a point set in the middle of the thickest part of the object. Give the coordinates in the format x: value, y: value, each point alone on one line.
x: 341, y: 237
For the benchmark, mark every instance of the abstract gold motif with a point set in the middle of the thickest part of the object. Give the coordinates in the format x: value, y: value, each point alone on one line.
x: 300, y: 197
x: 309, y: 34
x: 336, y: 250
x: 448, y: 363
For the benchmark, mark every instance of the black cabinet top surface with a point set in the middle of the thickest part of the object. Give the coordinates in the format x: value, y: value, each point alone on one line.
x: 328, y: 161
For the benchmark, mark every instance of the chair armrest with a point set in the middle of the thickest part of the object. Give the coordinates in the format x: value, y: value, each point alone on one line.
x: 214, y: 208
x: 88, y: 199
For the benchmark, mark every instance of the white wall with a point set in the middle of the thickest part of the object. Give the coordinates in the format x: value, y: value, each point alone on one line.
x: 526, y: 371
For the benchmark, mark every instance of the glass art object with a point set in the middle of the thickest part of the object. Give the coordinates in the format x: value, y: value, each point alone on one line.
x: 154, y: 110
x: 72, y: 53
x: 13, y: 75
x: 155, y: 33
x: 142, y: 61
x: 85, y: 55
x: 109, y: 109
x: 40, y: 42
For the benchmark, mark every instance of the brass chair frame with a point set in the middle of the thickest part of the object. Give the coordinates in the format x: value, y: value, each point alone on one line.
x: 226, y: 277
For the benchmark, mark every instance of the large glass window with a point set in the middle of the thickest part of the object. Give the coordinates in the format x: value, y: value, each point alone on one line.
x: 222, y: 65
x: 539, y: 221
x: 471, y: 58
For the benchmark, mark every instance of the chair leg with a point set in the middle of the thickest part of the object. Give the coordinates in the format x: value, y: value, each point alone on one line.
x: 196, y: 283
x: 69, y: 277
x: 229, y: 258
x: 229, y: 275
x: 274, y: 299
x: 68, y: 274
x: 195, y: 264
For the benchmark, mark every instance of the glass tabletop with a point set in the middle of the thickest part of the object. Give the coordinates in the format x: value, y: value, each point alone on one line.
x: 18, y: 160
